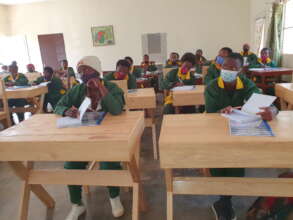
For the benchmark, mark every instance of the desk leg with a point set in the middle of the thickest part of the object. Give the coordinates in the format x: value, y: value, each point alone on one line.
x: 154, y: 133
x: 40, y: 104
x: 23, y: 173
x: 169, y: 185
x: 283, y: 104
x: 290, y: 107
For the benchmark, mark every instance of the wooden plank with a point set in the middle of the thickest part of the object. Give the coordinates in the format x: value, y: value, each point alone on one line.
x: 142, y: 99
x: 277, y: 187
x: 204, y: 141
x: 25, y: 93
x: 193, y: 97
x: 81, y: 177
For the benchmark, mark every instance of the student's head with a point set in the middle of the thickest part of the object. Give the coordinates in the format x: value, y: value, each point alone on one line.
x: 48, y: 73
x: 246, y: 48
x: 129, y: 60
x: 265, y: 53
x: 199, y: 52
x: 174, y: 57
x: 122, y: 66
x: 146, y: 58
x: 4, y: 68
x: 30, y: 68
x: 188, y: 61
x: 89, y: 67
x: 224, y: 52
x: 14, y: 63
x: 231, y: 68
x: 13, y: 69
x: 64, y: 64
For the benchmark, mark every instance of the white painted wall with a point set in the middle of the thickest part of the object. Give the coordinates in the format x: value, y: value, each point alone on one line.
x: 4, y: 27
x: 189, y: 24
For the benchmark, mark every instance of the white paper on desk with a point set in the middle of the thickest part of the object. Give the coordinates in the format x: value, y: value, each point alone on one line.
x: 84, y: 106
x: 183, y: 88
x: 242, y: 117
x: 257, y: 101
x: 68, y: 122
x: 44, y: 83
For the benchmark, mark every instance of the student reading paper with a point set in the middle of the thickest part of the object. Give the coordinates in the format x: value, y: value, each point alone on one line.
x: 228, y: 91
x: 105, y: 96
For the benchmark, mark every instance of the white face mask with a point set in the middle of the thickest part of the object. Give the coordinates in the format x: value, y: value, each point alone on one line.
x: 229, y: 75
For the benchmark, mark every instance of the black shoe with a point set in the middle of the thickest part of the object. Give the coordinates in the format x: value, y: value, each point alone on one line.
x: 223, y: 210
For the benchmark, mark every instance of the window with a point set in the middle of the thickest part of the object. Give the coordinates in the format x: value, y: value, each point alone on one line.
x: 288, y: 29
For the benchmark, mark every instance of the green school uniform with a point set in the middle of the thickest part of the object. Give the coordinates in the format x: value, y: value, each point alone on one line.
x: 20, y: 80
x: 251, y: 58
x: 136, y: 72
x: 259, y: 64
x: 131, y: 80
x: 151, y: 67
x: 55, y: 91
x: 170, y: 64
x: 214, y: 72
x: 172, y: 78
x: 113, y: 103
x: 217, y: 98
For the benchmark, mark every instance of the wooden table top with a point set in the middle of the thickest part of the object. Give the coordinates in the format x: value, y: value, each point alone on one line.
x: 192, y: 97
x: 271, y: 71
x: 39, y: 139
x: 142, y: 99
x: 281, y: 88
x: 29, y: 92
x: 204, y: 141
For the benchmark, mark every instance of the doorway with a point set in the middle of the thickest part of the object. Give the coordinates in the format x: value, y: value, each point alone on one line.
x: 52, y: 49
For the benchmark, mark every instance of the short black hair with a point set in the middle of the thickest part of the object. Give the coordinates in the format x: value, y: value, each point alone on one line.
x: 177, y: 54
x: 146, y: 55
x: 129, y: 58
x: 122, y: 63
x: 64, y: 61
x: 49, y: 69
x: 189, y: 57
x: 266, y: 49
x: 228, y: 49
x: 236, y: 56
x: 199, y: 50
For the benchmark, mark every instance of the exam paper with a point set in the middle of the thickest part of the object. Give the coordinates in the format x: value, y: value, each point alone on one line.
x: 84, y: 106
x: 242, y: 117
x: 183, y: 88
x: 257, y: 101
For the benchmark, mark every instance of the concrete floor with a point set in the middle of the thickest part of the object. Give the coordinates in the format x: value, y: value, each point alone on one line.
x: 98, y: 206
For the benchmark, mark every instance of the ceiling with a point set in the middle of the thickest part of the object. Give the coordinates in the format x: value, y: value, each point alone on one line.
x: 14, y: 2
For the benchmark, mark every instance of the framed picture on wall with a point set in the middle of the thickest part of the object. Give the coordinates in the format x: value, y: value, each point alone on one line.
x: 103, y: 36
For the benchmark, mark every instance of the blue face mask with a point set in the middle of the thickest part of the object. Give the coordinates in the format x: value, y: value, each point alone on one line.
x: 229, y: 75
x: 219, y: 60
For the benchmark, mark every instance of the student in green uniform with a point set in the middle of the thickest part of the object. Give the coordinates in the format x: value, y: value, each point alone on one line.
x: 148, y: 65
x: 178, y: 77
x: 200, y: 61
x: 16, y: 79
x: 122, y: 73
x: 231, y: 89
x: 105, y: 96
x: 249, y: 57
x: 173, y: 61
x: 55, y: 88
x: 264, y: 60
x: 215, y: 68
x: 137, y: 72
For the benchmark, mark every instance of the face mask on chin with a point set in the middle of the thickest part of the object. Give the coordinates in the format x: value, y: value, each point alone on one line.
x: 229, y: 75
x: 246, y: 50
x: 120, y: 75
x: 264, y: 59
x: 184, y: 70
x: 86, y: 77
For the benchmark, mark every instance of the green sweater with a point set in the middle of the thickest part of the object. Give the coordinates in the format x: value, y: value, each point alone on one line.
x: 251, y: 58
x: 20, y: 80
x: 213, y: 73
x: 217, y: 98
x: 113, y: 102
x: 137, y: 72
x: 131, y: 80
x: 173, y: 78
x: 258, y: 64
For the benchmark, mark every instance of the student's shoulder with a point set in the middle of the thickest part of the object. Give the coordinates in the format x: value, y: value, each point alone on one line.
x: 78, y: 88
x: 173, y: 71
x: 213, y: 85
x: 22, y: 75
x: 247, y: 83
x: 112, y: 87
x: 109, y: 76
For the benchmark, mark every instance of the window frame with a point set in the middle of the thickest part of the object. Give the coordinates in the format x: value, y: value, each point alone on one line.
x: 286, y: 28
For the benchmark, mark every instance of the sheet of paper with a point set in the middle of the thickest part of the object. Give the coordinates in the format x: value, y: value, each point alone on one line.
x: 68, y: 122
x: 256, y: 102
x: 262, y: 129
x: 83, y: 107
x: 242, y: 117
x: 44, y: 83
x: 183, y: 88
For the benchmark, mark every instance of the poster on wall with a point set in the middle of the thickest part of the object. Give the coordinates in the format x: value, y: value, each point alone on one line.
x: 103, y: 36
x: 259, y: 34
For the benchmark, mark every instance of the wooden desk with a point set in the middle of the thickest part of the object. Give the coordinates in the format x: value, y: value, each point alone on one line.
x: 116, y: 139
x: 203, y: 141
x: 264, y: 74
x: 285, y: 92
x: 188, y: 98
x: 145, y: 99
x: 35, y: 94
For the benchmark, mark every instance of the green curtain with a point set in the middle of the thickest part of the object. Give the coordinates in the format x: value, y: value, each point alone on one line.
x: 275, y: 38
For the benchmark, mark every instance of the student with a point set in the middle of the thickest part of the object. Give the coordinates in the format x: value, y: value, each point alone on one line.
x: 64, y: 72
x: 105, y: 96
x: 228, y: 91
x: 173, y: 61
x: 16, y: 79
x: 122, y: 73
x: 55, y: 87
x: 200, y: 61
x: 265, y: 60
x: 215, y: 68
x: 4, y: 69
x: 148, y: 65
x: 178, y: 77
x: 137, y: 72
x: 250, y: 58
x: 32, y: 74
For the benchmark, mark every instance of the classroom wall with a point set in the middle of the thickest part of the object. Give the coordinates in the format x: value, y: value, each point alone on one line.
x: 189, y: 24
x: 3, y: 20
